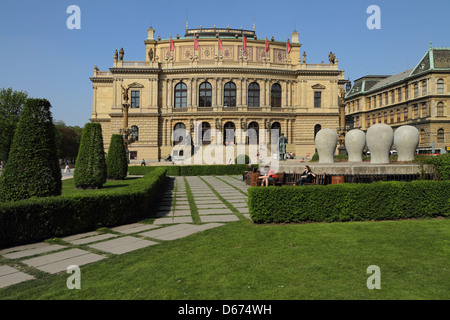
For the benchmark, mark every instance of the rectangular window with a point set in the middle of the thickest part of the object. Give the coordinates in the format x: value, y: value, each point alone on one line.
x: 317, y: 99
x: 135, y: 99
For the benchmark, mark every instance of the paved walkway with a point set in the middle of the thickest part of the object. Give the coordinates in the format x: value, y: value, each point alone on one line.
x: 216, y: 200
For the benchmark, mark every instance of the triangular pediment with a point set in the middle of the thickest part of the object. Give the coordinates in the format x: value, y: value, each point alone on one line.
x: 318, y: 87
x: 135, y: 85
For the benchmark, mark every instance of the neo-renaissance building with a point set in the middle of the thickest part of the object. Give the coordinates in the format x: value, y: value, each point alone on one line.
x: 217, y: 80
x: 419, y: 97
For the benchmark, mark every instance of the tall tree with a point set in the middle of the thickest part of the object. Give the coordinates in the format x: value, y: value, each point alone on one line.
x: 32, y: 169
x: 11, y: 105
x: 90, y: 168
x: 116, y: 160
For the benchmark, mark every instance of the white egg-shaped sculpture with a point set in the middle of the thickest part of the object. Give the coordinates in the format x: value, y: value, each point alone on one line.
x: 326, y: 143
x: 355, y: 141
x: 406, y: 139
x: 379, y: 139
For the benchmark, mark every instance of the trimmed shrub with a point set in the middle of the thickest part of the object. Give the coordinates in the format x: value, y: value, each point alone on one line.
x: 32, y: 169
x: 37, y: 219
x: 192, y: 170
x: 350, y: 202
x: 90, y: 168
x: 242, y: 159
x: 116, y: 160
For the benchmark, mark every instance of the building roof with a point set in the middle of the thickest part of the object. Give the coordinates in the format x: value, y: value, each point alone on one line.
x: 435, y: 59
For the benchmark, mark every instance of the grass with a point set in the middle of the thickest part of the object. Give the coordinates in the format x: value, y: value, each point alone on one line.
x: 68, y: 187
x: 241, y: 260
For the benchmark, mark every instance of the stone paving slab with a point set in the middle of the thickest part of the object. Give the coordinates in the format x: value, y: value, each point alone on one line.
x: 123, y: 245
x: 100, y: 237
x: 10, y: 276
x: 219, y: 218
x: 171, y: 220
x: 211, y: 206
x: 134, y: 228
x: 239, y: 204
x: 33, y: 251
x: 57, y: 262
x: 81, y: 235
x: 179, y: 213
x: 214, y: 211
x: 183, y: 207
x: 24, y: 247
x: 177, y: 231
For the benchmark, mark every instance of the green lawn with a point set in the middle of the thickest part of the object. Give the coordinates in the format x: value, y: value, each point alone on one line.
x: 68, y: 186
x: 288, y: 262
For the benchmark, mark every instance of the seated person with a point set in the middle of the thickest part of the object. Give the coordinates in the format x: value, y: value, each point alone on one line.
x: 306, y: 176
x: 250, y: 169
x: 143, y: 162
x: 268, y: 177
x: 169, y: 158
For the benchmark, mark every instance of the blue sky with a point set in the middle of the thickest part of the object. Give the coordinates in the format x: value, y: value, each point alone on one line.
x: 41, y: 56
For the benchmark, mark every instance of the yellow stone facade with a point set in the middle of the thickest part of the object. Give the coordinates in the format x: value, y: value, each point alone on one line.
x: 170, y: 86
x: 419, y: 97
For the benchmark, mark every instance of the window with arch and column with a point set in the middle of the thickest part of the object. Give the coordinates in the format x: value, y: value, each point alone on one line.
x: 205, y: 95
x: 440, y: 109
x: 440, y: 136
x: 253, y: 133
x: 440, y: 86
x: 229, y: 133
x: 135, y: 133
x: 179, y: 134
x: 180, y: 95
x: 253, y: 95
x: 229, y: 94
x: 277, y: 127
x: 275, y: 96
x: 205, y: 133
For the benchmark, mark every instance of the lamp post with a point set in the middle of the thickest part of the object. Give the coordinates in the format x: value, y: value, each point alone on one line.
x: 128, y: 135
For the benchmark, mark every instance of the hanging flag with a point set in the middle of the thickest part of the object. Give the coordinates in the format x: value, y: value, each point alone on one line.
x: 288, y: 47
x: 195, y: 43
x: 172, y: 44
x: 220, y: 44
x: 244, y: 43
x: 267, y: 45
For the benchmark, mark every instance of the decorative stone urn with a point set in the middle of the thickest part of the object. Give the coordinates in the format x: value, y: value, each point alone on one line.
x: 355, y: 141
x: 326, y: 143
x: 379, y: 139
x: 406, y: 139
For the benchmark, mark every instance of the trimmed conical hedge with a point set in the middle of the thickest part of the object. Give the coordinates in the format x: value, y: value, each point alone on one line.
x: 32, y: 169
x: 116, y: 160
x: 90, y: 168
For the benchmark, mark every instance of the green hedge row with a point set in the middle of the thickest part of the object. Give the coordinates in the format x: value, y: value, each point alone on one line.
x: 37, y: 219
x: 350, y: 202
x: 192, y: 170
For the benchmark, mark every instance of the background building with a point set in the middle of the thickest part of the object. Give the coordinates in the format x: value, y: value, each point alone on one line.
x: 419, y: 97
x: 216, y: 80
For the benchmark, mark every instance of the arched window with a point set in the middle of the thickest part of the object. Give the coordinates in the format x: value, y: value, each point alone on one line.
x: 399, y: 115
x: 317, y: 128
x: 206, y: 133
x: 440, y: 136
x: 204, y: 95
x: 275, y: 131
x: 385, y: 117
x: 179, y: 134
x: 229, y: 133
x: 440, y: 109
x: 416, y: 90
x: 253, y: 95
x: 135, y: 133
x: 180, y: 95
x: 424, y: 87
x: 422, y: 136
x: 253, y: 133
x: 405, y: 114
x: 275, y: 96
x: 229, y: 95
x: 392, y: 117
x: 440, y: 86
